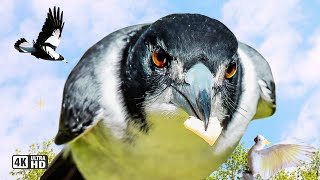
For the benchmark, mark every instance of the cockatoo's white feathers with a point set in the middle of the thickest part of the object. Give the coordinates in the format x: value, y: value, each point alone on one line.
x: 280, y: 156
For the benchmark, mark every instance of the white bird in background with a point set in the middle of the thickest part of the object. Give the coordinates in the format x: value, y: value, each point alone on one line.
x: 269, y: 161
x: 48, y: 39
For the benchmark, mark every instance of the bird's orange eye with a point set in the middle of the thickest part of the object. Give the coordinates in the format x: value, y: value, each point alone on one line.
x: 159, y: 57
x: 231, y: 70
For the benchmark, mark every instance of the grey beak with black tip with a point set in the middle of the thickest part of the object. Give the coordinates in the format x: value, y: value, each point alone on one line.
x: 195, y: 95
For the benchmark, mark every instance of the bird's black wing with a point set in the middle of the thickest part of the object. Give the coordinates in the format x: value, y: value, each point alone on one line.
x: 81, y: 105
x: 52, y: 29
x: 62, y: 167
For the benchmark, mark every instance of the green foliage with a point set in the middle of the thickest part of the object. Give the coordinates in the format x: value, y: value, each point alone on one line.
x: 283, y: 175
x: 237, y: 163
x: 34, y: 149
x: 311, y: 171
x: 233, y: 168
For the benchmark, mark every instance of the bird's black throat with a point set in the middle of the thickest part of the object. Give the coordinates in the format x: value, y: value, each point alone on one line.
x: 132, y: 84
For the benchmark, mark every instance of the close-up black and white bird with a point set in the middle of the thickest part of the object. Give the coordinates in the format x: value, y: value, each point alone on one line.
x: 133, y: 104
x: 48, y: 39
x: 267, y: 162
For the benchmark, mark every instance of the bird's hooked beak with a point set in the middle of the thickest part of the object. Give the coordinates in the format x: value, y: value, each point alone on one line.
x: 266, y: 141
x: 195, y: 95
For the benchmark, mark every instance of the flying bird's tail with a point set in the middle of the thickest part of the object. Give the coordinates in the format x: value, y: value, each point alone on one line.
x: 23, y: 46
x: 62, y: 167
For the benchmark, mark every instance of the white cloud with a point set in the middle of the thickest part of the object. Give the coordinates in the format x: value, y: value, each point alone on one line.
x: 6, y: 15
x: 307, y: 126
x: 24, y: 122
x: 274, y: 22
x: 272, y: 28
x: 307, y: 68
x: 89, y: 21
x: 250, y: 19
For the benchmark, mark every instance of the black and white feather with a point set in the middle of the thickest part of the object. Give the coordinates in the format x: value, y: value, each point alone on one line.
x: 48, y: 40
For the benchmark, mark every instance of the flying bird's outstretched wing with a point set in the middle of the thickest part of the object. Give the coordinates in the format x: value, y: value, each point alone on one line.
x: 280, y: 156
x: 52, y: 29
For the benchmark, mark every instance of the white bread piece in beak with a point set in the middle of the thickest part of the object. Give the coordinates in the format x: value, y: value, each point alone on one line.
x: 197, y: 126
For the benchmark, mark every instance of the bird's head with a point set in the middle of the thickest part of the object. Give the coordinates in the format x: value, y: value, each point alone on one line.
x: 192, y: 66
x: 191, y: 62
x: 61, y: 57
x: 261, y: 141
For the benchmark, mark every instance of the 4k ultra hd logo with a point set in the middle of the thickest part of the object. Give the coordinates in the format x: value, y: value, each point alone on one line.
x: 29, y: 161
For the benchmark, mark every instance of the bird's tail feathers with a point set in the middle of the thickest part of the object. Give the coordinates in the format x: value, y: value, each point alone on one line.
x: 23, y: 46
x: 62, y: 167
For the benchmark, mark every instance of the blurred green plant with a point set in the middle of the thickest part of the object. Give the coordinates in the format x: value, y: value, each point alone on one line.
x: 233, y: 168
x: 34, y: 149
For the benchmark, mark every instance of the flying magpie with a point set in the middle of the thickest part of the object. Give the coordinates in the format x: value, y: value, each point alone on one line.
x: 132, y: 105
x: 48, y: 39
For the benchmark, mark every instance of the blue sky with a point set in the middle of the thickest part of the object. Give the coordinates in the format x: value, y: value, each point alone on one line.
x: 286, y: 33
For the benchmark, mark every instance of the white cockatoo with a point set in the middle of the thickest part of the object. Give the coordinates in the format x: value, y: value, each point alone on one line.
x: 269, y: 161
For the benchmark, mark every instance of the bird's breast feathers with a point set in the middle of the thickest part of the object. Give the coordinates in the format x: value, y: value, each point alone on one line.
x: 168, y: 145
